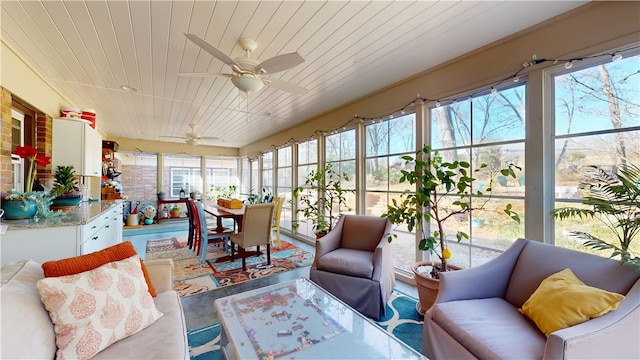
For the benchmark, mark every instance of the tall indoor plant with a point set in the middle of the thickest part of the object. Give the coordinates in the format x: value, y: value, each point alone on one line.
x: 614, y: 200
x: 321, y: 198
x: 437, y: 181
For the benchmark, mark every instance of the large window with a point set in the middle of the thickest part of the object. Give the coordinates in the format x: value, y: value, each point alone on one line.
x: 221, y: 174
x: 307, y: 162
x: 486, y: 129
x: 267, y: 175
x: 285, y: 184
x: 597, y: 122
x: 182, y: 172
x: 341, y: 152
x: 386, y: 142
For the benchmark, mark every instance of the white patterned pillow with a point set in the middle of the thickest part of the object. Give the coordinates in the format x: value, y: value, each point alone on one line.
x: 93, y: 309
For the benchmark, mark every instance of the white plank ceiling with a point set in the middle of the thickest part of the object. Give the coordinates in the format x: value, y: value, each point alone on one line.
x: 89, y: 49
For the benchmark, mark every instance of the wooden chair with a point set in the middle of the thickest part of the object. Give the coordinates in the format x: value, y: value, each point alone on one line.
x: 256, y: 231
x: 275, y: 224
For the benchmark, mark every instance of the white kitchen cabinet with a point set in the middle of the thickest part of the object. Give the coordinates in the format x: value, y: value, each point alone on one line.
x: 42, y: 242
x: 103, y: 231
x: 75, y: 142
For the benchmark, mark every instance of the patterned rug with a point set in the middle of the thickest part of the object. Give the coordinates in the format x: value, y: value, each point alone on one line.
x: 402, y: 320
x: 192, y: 276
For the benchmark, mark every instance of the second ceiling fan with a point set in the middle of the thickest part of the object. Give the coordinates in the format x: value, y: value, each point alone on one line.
x: 247, y: 73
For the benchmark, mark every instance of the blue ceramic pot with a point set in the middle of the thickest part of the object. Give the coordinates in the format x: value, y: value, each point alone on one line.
x: 19, y: 209
x: 66, y: 200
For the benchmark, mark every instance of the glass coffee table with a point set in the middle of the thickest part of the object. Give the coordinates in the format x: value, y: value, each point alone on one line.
x: 298, y: 319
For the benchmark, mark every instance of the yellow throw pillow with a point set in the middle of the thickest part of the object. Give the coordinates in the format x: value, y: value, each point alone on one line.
x: 562, y: 300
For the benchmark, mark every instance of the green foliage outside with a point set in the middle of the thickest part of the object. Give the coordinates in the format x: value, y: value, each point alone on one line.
x: 614, y: 200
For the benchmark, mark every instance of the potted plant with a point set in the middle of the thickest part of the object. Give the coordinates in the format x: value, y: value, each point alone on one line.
x: 321, y: 198
x: 614, y: 200
x: 65, y: 187
x: 174, y: 211
x: 444, y: 191
x: 25, y: 205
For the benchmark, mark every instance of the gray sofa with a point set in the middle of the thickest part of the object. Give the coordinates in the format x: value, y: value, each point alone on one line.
x: 476, y: 316
x: 27, y: 331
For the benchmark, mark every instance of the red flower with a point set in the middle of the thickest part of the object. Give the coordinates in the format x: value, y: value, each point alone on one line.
x: 26, y: 152
x: 31, y: 153
x: 42, y: 160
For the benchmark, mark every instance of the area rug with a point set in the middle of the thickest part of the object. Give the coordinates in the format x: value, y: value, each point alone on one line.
x: 402, y: 320
x: 192, y: 276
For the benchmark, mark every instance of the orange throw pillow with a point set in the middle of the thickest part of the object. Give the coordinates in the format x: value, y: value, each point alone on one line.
x: 82, y: 263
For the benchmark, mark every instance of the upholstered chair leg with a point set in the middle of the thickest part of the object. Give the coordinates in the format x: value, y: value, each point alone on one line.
x: 268, y: 254
x: 241, y: 251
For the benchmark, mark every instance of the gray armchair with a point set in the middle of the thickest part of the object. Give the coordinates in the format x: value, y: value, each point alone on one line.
x: 475, y: 314
x: 354, y: 263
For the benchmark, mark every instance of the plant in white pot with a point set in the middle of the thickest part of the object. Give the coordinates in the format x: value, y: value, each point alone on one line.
x: 321, y: 199
x: 443, y: 191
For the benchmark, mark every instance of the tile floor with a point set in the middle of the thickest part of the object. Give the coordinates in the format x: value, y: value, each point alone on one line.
x: 199, y: 310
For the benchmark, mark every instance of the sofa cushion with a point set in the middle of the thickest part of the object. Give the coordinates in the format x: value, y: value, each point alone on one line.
x: 78, y: 264
x: 348, y: 262
x: 93, y: 309
x: 537, y: 261
x: 361, y: 232
x: 165, y: 339
x: 562, y: 300
x: 490, y: 328
x: 22, y: 315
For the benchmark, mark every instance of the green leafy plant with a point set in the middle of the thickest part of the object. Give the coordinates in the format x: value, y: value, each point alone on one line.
x: 438, y: 181
x: 614, y: 200
x: 216, y: 192
x: 320, y: 197
x: 65, y: 182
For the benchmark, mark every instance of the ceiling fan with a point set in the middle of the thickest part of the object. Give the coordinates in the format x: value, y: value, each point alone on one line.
x: 191, y: 138
x: 247, y: 72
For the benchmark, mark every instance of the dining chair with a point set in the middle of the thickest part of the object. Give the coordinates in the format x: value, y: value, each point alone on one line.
x: 194, y: 225
x: 210, y: 235
x: 191, y: 224
x: 275, y: 224
x: 256, y: 231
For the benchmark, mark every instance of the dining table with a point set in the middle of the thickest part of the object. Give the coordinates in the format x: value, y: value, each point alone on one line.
x: 221, y: 212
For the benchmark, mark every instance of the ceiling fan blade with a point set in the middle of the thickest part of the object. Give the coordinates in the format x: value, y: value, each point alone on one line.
x: 285, y: 86
x: 212, y: 50
x: 173, y: 137
x: 205, y: 74
x: 209, y: 138
x: 280, y: 63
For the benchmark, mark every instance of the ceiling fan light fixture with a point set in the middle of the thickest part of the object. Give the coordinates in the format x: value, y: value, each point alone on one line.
x: 247, y: 83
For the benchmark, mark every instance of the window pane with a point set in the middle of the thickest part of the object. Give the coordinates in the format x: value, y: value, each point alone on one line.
x: 596, y: 124
x: 402, y: 134
x: 602, y: 97
x: 451, y: 125
x: 499, y: 116
x: 378, y: 139
x: 491, y: 118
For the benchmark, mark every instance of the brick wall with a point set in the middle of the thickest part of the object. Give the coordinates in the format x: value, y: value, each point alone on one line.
x: 5, y: 142
x: 43, y: 143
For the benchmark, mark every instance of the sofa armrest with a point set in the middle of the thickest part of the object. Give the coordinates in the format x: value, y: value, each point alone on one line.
x: 383, y: 255
x: 619, y: 329
x: 329, y: 242
x: 487, y: 280
x: 161, y: 274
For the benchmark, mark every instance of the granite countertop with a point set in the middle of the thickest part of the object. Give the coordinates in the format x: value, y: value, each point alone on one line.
x: 82, y: 214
